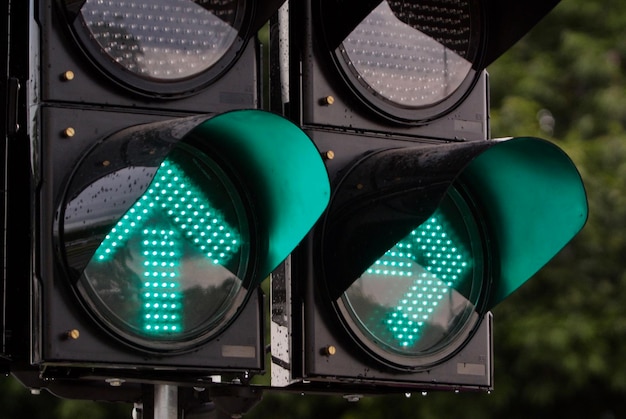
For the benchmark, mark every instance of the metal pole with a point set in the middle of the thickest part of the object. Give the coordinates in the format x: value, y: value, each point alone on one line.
x: 283, y: 45
x: 165, y: 401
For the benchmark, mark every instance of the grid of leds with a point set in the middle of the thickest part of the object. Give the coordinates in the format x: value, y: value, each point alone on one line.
x: 185, y: 214
x: 163, y: 39
x: 408, y: 298
x: 413, y: 54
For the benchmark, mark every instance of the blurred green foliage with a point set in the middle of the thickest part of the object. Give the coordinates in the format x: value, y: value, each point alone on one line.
x: 559, y: 340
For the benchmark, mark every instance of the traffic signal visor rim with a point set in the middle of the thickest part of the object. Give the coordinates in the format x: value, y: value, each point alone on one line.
x: 535, y: 202
x: 284, y: 170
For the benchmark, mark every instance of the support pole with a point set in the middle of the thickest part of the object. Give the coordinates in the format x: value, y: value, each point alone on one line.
x: 165, y: 401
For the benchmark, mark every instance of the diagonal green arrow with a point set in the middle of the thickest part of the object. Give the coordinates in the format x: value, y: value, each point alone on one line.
x: 444, y: 260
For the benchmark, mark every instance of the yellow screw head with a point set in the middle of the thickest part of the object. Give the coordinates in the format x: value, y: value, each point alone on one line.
x: 68, y: 75
x: 330, y: 350
x: 328, y: 100
x: 69, y: 132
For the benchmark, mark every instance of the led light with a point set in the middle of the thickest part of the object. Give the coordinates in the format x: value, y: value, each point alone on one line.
x: 444, y: 261
x: 421, y: 292
x: 412, y: 53
x: 173, y: 210
x: 169, y: 193
x: 162, y: 39
x: 163, y: 250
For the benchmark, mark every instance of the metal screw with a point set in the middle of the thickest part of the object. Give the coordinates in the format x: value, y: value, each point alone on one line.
x: 69, y: 132
x: 68, y: 75
x: 329, y: 350
x: 328, y: 100
x: 73, y: 334
x: 329, y: 155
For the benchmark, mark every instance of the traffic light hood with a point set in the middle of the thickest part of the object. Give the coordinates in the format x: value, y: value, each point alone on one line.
x: 284, y: 169
x: 275, y: 171
x: 535, y: 203
x: 526, y: 191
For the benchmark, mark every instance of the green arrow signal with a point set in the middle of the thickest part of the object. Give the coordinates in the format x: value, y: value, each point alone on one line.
x: 444, y: 261
x: 191, y: 216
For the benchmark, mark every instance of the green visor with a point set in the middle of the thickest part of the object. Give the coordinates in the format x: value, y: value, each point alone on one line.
x: 535, y: 203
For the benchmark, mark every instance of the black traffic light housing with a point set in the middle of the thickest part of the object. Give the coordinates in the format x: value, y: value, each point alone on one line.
x: 394, y: 93
x: 123, y: 104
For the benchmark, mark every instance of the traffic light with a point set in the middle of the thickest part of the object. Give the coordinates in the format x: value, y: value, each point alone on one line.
x: 148, y: 196
x: 431, y: 223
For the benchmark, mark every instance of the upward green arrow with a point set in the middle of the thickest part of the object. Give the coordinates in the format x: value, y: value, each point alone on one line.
x: 187, y: 208
x: 188, y: 215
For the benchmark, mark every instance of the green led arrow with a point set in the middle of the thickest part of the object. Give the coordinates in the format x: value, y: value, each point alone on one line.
x: 439, y: 260
x: 160, y: 294
x: 189, y: 215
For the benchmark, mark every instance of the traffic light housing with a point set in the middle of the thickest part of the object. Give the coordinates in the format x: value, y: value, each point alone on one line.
x: 148, y: 196
x: 431, y: 223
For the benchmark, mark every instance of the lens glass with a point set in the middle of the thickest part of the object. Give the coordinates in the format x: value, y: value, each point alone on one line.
x: 169, y: 248
x: 422, y: 292
x: 162, y: 39
x: 412, y: 53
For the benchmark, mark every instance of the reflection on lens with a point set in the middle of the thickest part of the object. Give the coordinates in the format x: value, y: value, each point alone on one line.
x: 163, y: 39
x: 412, y: 54
x: 420, y: 293
x: 170, y: 265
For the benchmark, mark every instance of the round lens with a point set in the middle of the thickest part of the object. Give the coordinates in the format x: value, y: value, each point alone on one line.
x: 162, y: 39
x: 169, y: 247
x: 422, y: 293
x: 412, y: 53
